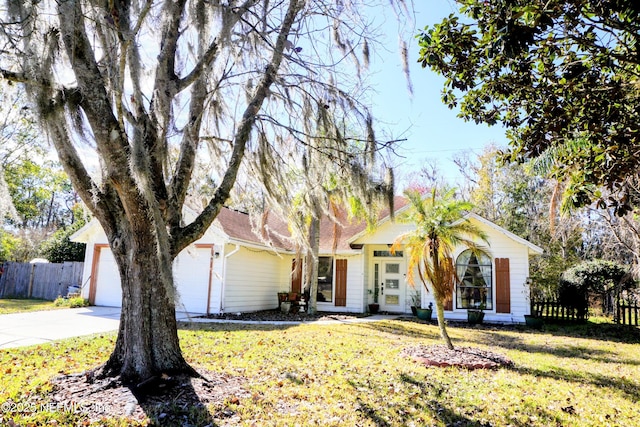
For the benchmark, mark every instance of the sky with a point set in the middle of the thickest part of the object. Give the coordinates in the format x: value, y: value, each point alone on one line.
x: 431, y: 129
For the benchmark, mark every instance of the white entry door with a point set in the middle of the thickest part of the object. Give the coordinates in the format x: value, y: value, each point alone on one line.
x: 392, y: 286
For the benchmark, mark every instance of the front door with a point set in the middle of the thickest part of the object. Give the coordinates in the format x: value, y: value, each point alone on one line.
x: 392, y: 286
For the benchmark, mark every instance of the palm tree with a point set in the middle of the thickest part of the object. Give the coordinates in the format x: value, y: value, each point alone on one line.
x: 440, y: 228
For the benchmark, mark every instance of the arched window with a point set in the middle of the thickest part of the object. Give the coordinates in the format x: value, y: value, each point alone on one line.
x: 474, y: 288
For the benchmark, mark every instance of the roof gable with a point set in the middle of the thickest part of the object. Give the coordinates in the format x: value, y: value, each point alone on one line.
x: 533, y: 249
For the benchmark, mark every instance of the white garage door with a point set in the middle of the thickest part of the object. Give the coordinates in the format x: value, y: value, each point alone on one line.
x: 108, y: 290
x: 192, y: 272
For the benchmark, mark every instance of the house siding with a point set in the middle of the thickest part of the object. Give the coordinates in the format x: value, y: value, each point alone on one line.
x: 253, y: 279
x: 367, y: 277
x: 501, y: 246
x: 385, y: 234
x: 246, y: 277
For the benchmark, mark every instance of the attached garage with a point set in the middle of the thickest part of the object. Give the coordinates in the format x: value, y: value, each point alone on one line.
x: 192, y: 277
x: 105, y: 280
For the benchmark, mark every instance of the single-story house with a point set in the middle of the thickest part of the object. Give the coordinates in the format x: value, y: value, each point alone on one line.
x: 231, y: 269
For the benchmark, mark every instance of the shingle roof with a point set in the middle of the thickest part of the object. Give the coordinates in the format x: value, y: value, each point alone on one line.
x: 238, y: 225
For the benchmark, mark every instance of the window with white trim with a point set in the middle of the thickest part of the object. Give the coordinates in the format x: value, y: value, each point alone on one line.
x: 475, y: 286
x: 325, y: 279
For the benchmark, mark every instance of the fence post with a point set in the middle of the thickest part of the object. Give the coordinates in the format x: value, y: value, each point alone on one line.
x: 3, y: 278
x: 30, y: 291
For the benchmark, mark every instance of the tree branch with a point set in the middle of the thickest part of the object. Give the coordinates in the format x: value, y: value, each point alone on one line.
x: 198, y: 227
x: 190, y: 141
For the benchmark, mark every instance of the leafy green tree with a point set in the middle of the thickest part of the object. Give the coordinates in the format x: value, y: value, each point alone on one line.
x: 41, y: 193
x: 517, y: 198
x: 59, y: 248
x: 8, y: 244
x: 440, y: 228
x: 7, y: 210
x: 551, y: 72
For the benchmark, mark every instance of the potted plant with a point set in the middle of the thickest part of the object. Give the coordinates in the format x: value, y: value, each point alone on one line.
x: 425, y: 313
x: 282, y: 297
x: 415, y: 302
x: 475, y: 316
x: 374, y: 307
x: 533, y: 320
x: 285, y: 306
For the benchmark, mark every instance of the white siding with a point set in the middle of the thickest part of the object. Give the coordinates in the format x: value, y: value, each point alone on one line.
x: 191, y: 274
x: 385, y: 234
x: 253, y: 279
x: 367, y: 276
x: 501, y: 246
x: 86, y: 273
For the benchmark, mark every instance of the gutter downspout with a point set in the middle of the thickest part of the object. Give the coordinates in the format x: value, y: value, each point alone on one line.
x: 211, y: 256
x: 224, y: 277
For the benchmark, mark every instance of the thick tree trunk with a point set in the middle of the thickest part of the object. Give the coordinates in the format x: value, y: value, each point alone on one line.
x: 147, y: 344
x: 441, y: 322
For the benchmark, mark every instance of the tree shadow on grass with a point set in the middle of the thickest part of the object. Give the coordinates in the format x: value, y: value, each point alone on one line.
x: 435, y: 407
x: 566, y: 349
x: 176, y: 404
x: 235, y: 326
x: 178, y: 400
x: 626, y: 387
x: 596, y: 331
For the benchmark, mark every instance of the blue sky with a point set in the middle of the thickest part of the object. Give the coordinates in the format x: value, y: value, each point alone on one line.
x: 431, y: 129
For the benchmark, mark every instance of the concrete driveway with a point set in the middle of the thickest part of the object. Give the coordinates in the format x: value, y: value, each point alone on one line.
x: 39, y: 327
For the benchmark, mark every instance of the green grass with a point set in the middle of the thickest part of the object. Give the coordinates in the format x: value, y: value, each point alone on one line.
x: 348, y: 375
x: 9, y: 306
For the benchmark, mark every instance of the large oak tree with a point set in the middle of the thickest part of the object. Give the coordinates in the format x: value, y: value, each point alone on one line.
x: 145, y: 85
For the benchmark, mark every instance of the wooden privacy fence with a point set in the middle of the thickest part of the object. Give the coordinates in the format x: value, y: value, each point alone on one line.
x: 552, y: 309
x: 627, y: 314
x: 40, y: 280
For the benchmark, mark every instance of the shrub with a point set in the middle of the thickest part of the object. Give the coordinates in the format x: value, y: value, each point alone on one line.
x: 73, y: 302
x: 59, y: 248
x: 601, y: 278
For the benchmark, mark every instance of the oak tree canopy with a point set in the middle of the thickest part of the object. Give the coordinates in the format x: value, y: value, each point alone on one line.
x: 152, y: 89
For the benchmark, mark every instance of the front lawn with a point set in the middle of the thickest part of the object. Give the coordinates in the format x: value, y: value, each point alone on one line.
x: 355, y: 375
x: 9, y: 306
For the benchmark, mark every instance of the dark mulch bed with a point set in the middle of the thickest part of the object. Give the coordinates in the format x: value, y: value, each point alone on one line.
x: 177, y: 400
x: 278, y: 316
x: 465, y: 357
